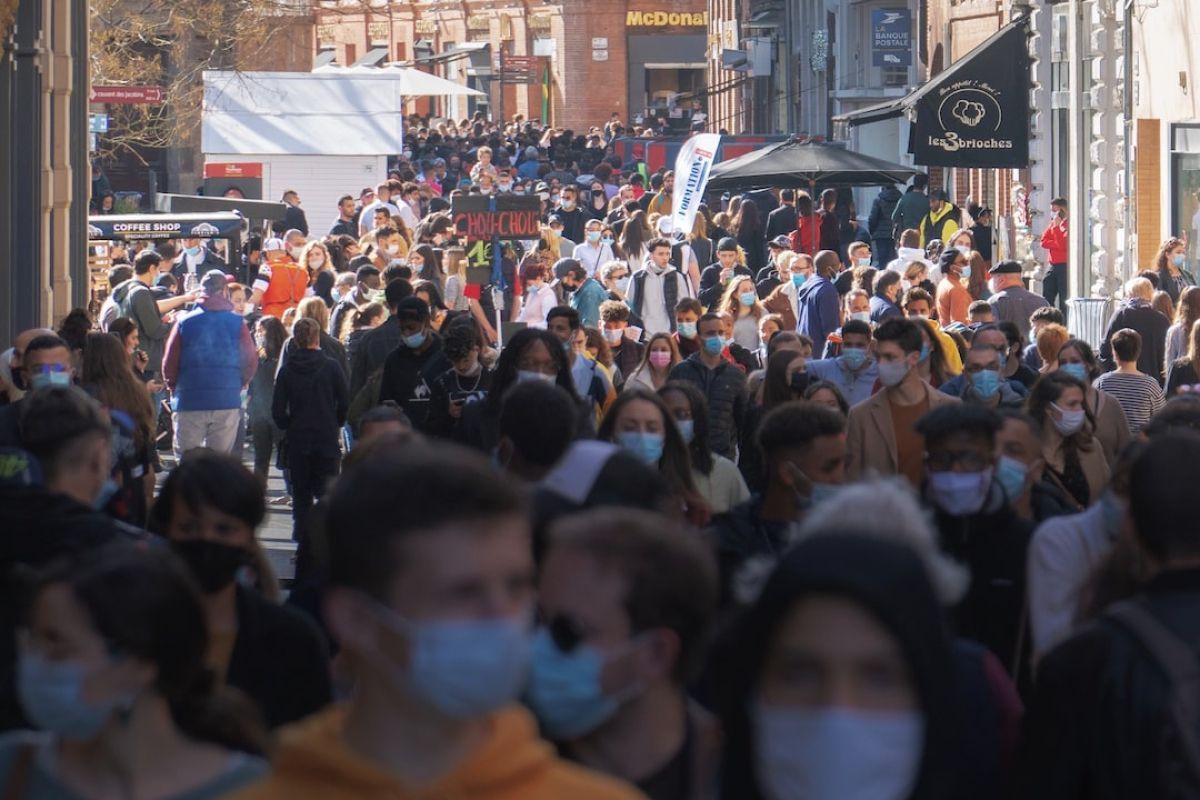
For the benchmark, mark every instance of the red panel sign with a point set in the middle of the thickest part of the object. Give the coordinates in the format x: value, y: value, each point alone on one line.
x: 240, y: 170
x: 126, y: 95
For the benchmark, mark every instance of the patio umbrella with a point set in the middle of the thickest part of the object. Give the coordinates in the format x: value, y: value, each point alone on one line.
x: 795, y: 164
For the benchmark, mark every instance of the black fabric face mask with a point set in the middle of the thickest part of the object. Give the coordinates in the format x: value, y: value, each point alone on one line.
x: 214, y: 565
x: 799, y: 382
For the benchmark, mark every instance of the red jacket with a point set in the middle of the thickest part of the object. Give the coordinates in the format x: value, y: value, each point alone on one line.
x: 1054, y: 241
x: 804, y: 238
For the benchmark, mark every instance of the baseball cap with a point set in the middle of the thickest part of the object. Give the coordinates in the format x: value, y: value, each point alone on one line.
x: 781, y: 242
x: 727, y: 244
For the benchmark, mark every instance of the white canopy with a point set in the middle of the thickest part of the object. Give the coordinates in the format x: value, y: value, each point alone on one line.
x: 298, y: 113
x: 412, y: 82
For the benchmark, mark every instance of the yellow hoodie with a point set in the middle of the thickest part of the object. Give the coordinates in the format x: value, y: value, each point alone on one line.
x: 513, y: 764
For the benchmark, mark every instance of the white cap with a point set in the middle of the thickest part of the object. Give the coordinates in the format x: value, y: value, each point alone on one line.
x: 666, y: 225
x: 273, y: 244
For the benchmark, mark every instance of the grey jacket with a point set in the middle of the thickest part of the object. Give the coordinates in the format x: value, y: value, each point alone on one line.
x: 137, y: 302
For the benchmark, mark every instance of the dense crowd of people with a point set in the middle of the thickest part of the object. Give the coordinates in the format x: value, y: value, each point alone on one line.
x: 782, y: 505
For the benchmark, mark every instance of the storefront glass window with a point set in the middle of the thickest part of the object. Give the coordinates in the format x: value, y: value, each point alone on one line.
x: 1185, y: 186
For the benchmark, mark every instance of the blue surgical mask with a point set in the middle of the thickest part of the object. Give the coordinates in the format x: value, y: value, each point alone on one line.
x: 608, y: 240
x: 822, y: 492
x: 747, y: 298
x: 854, y: 357
x: 194, y: 252
x: 924, y: 353
x: 462, y: 668
x: 1011, y: 473
x: 713, y: 345
x: 966, y: 271
x: 986, y: 383
x: 861, y: 316
x: 893, y: 372
x: 1077, y: 371
x: 1178, y: 259
x: 414, y: 341
x: 648, y: 447
x: 687, y: 330
x: 564, y: 689
x: 687, y: 429
x: 48, y: 378
x: 798, y: 279
x: 51, y: 693
x: 836, y: 752
x: 960, y: 493
x: 593, y: 236
x: 529, y: 376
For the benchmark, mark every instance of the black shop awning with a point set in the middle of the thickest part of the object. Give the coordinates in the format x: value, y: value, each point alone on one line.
x: 973, y: 114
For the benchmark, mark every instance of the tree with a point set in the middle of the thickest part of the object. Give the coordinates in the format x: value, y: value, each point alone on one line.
x: 170, y: 43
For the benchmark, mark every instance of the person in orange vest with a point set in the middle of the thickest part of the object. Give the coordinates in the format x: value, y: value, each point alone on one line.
x: 282, y: 282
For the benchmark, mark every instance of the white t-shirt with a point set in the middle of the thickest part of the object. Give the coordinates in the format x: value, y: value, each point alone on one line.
x: 592, y: 258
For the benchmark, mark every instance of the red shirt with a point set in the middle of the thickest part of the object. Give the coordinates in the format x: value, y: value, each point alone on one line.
x: 1054, y: 241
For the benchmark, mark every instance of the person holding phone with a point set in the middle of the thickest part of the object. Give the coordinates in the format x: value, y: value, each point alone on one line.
x: 467, y: 380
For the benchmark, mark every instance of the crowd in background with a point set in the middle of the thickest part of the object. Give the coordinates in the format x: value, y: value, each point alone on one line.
x: 784, y: 505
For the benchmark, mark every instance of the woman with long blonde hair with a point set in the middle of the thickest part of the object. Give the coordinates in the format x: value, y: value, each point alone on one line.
x: 315, y: 258
x: 741, y: 302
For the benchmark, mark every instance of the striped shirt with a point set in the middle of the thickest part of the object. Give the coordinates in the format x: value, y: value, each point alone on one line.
x: 1140, y: 396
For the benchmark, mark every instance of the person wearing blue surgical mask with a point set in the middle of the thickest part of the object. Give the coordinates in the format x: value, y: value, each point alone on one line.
x: 1020, y: 469
x: 723, y: 384
x: 717, y: 478
x: 626, y: 598
x: 111, y: 668
x: 410, y: 369
x: 1075, y: 458
x: 431, y: 595
x: 47, y: 362
x: 640, y: 423
x: 1077, y: 359
x: 976, y: 524
x: 838, y: 680
x: 983, y: 379
x: 854, y: 372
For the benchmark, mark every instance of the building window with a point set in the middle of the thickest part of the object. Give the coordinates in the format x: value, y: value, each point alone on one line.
x: 1185, y: 185
x: 895, y: 76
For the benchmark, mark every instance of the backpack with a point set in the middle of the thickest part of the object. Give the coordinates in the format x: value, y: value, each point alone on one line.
x: 1179, y: 746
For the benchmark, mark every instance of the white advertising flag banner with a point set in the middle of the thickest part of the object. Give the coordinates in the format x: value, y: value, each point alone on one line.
x: 692, y: 166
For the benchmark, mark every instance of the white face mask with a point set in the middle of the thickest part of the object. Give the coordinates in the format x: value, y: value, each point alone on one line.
x: 1069, y: 423
x: 316, y: 262
x: 393, y: 248
x: 827, y: 753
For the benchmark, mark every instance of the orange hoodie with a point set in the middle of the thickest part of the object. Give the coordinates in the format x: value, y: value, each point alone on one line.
x: 513, y: 764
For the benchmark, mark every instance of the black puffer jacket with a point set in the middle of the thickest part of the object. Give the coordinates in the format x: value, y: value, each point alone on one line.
x: 310, y: 401
x: 724, y: 387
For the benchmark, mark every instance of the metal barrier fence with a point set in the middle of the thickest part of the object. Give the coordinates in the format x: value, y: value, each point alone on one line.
x: 1087, y: 318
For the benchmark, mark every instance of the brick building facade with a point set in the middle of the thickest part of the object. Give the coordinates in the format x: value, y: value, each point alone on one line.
x: 590, y: 59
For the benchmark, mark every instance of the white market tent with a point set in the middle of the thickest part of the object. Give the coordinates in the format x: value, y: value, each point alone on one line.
x: 323, y: 134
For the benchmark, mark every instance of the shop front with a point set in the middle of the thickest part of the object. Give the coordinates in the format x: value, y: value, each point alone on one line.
x: 666, y: 66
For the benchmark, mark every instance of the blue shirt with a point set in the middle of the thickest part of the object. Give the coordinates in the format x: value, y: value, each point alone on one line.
x: 855, y: 386
x: 882, y: 308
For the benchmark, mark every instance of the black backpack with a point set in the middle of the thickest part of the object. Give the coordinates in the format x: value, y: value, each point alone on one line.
x: 1179, y: 745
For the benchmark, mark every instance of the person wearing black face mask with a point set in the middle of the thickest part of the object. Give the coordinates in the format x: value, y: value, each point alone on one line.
x: 208, y: 510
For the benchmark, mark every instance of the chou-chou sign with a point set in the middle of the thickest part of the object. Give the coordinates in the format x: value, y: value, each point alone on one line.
x: 475, y: 219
